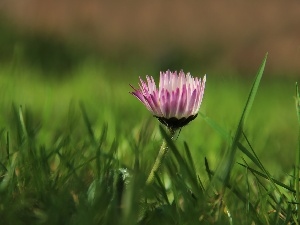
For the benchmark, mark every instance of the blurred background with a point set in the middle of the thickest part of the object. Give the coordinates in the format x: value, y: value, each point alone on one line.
x: 166, y: 34
x: 56, y: 52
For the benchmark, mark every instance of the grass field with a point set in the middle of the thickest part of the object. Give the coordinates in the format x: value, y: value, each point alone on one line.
x: 78, y: 150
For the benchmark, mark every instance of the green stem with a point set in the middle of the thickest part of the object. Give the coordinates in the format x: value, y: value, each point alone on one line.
x: 160, y: 157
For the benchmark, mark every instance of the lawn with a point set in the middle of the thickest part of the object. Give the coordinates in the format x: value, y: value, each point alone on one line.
x: 78, y: 149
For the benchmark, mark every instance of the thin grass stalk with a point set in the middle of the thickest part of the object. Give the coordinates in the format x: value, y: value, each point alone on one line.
x: 226, y: 164
x: 248, y: 192
x: 242, y: 197
x: 261, y: 166
x: 298, y: 152
x: 267, y: 178
x: 88, y: 124
x: 22, y: 122
x: 244, y: 116
x: 288, y: 215
x: 7, y: 146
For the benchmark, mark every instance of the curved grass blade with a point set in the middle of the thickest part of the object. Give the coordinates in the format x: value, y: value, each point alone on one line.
x: 22, y: 122
x: 298, y: 152
x: 266, y: 177
x: 216, y: 127
x: 163, y: 189
x: 260, y: 165
x: 88, y: 124
x: 240, y: 194
x: 183, y: 164
x: 224, y: 169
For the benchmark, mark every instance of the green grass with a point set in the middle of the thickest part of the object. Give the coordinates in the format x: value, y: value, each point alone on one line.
x: 79, y: 150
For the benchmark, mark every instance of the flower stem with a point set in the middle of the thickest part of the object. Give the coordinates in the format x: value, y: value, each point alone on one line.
x: 160, y: 157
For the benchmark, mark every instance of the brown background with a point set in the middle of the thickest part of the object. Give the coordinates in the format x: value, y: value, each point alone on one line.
x: 224, y: 34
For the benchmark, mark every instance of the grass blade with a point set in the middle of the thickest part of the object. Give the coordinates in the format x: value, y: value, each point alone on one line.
x: 190, y: 160
x: 243, y: 149
x: 298, y: 152
x: 288, y: 215
x: 207, y: 169
x: 98, y: 150
x: 163, y: 189
x: 227, y: 137
x: 22, y: 122
x: 266, y: 177
x: 260, y: 165
x: 88, y: 124
x: 188, y: 172
x: 7, y: 145
x: 216, y: 127
x: 223, y: 171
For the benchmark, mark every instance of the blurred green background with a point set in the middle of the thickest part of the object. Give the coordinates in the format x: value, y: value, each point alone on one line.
x: 55, y: 54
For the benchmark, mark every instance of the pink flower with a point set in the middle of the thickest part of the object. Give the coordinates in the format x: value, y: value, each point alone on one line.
x: 177, y: 100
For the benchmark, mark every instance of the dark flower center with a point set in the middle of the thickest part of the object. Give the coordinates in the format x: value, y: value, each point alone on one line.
x: 175, y: 123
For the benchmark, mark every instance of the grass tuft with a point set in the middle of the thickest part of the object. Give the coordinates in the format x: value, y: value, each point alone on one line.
x: 89, y: 165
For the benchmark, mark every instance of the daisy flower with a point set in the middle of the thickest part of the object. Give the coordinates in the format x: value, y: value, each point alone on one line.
x: 177, y: 99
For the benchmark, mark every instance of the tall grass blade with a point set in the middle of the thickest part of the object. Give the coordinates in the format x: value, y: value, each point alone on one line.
x: 87, y: 123
x: 289, y: 214
x: 22, y: 122
x: 99, y: 148
x: 187, y: 171
x: 266, y: 177
x: 7, y: 146
x: 228, y: 138
x: 298, y: 152
x: 224, y: 169
x: 224, y: 134
x: 190, y: 161
x: 207, y: 169
x: 240, y: 194
x: 243, y: 149
x: 260, y: 165
x: 163, y: 189
x: 248, y: 192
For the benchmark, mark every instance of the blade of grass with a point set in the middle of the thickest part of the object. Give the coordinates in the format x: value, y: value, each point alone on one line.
x: 239, y: 194
x: 227, y: 137
x: 193, y: 170
x: 7, y: 146
x: 98, y: 150
x: 189, y: 156
x: 207, y: 169
x: 288, y: 215
x: 22, y: 122
x: 298, y: 152
x: 184, y: 166
x: 261, y: 165
x: 226, y: 165
x: 70, y: 166
x: 190, y: 161
x: 163, y: 189
x: 216, y: 127
x: 267, y: 192
x: 248, y: 192
x: 88, y: 124
x: 266, y: 177
x: 277, y: 212
x: 243, y: 149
